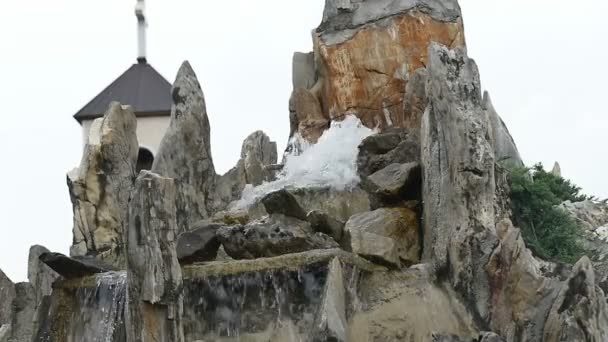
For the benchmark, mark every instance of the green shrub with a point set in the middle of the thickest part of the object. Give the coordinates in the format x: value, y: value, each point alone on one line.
x: 547, y: 230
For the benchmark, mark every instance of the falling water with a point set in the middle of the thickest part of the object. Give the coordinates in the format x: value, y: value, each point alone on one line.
x: 331, y: 162
x: 102, y: 309
x: 227, y: 307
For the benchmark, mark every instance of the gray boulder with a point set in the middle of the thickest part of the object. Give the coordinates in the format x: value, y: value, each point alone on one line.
x: 185, y: 151
x: 283, y: 202
x: 396, y: 182
x: 75, y: 267
x: 155, y: 298
x: 199, y: 244
x: 272, y: 236
x: 387, y: 236
x: 378, y: 151
x: 101, y: 186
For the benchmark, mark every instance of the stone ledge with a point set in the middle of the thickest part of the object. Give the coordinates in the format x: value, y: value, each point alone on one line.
x: 289, y: 262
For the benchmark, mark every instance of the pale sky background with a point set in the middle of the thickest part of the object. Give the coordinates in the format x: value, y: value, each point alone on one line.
x: 543, y: 61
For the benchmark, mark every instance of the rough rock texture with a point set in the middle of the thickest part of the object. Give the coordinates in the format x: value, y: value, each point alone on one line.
x: 42, y: 278
x: 407, y: 306
x: 283, y: 202
x: 414, y: 101
x: 272, y: 236
x: 458, y: 175
x: 258, y: 155
x: 579, y: 313
x: 101, y: 186
x: 323, y: 223
x: 468, y: 243
x: 199, y: 244
x: 366, y: 52
x: 270, y: 299
x: 308, y: 114
x: 337, y: 204
x: 592, y: 217
x: 331, y: 322
x: 385, y: 235
x: 396, y: 182
x: 155, y: 298
x: 378, y: 151
x: 39, y: 274
x: 185, y: 151
x: 23, y: 312
x: 75, y: 267
x: 7, y: 294
x: 505, y: 150
x: 257, y: 152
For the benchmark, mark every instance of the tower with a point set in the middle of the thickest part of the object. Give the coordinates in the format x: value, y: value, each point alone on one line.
x: 141, y: 87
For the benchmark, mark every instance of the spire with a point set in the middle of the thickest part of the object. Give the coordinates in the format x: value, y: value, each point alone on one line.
x: 141, y: 30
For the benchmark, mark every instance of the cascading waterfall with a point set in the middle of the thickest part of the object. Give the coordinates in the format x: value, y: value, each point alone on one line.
x: 227, y: 306
x: 102, y: 310
x: 331, y: 162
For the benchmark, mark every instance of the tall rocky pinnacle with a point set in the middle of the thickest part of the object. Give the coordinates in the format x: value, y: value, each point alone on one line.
x: 473, y: 246
x: 458, y: 179
x: 185, y: 151
x: 365, y: 55
x: 101, y: 186
x: 155, y: 299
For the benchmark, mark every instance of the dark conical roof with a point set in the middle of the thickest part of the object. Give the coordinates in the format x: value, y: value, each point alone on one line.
x: 141, y: 87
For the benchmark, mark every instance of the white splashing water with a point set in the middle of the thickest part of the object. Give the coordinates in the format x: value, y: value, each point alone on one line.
x: 331, y: 162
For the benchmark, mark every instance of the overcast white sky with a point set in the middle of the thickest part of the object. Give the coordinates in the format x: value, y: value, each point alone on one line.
x: 543, y: 61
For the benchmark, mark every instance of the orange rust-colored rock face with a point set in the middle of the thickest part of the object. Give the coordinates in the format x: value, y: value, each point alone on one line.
x: 367, y: 74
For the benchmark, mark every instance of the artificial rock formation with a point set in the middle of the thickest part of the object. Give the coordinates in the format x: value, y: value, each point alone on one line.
x: 7, y: 293
x: 385, y: 235
x: 39, y: 274
x: 592, y: 219
x: 479, y: 252
x: 421, y: 250
x: 155, y: 299
x: 365, y: 54
x: 258, y: 153
x: 378, y: 151
x: 185, y: 151
x: 199, y: 244
x: 272, y: 236
x: 101, y: 186
x: 505, y: 150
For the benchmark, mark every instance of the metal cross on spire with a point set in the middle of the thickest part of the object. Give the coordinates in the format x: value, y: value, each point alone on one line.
x: 140, y: 9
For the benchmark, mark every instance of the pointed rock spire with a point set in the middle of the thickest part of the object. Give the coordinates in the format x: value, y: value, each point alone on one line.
x: 185, y: 151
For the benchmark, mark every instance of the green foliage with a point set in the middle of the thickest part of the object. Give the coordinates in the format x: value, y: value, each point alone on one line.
x: 547, y: 230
